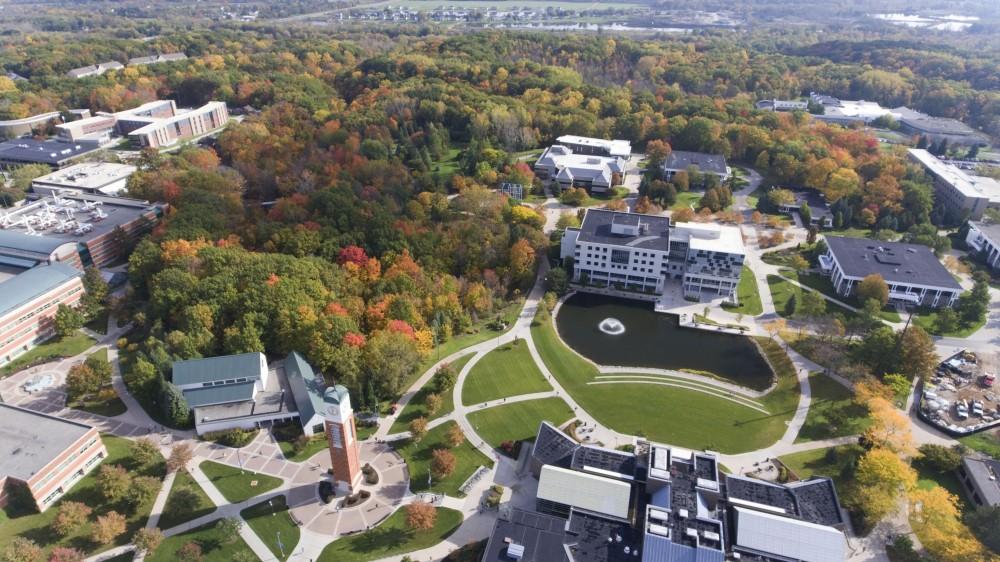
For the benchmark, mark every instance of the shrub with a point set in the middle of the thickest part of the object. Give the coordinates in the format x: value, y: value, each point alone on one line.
x: 235, y: 437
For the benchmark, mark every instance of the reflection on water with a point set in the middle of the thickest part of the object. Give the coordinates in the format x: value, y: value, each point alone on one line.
x: 656, y: 340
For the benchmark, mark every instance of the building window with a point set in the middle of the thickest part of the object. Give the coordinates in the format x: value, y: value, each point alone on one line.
x: 318, y: 428
x: 619, y: 256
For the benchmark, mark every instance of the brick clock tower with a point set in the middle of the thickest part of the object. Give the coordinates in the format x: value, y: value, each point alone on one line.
x: 342, y: 437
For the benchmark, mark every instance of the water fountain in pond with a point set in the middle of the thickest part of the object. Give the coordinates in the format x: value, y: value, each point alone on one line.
x: 611, y: 326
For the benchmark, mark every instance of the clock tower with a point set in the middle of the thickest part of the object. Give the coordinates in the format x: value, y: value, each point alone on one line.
x: 341, y: 435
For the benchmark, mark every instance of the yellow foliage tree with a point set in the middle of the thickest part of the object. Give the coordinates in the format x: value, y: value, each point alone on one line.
x: 890, y: 428
x: 882, y: 477
x: 935, y: 519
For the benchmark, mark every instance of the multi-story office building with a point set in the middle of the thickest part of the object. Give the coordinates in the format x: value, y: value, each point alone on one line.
x: 28, y: 304
x: 640, y: 252
x: 167, y: 131
x: 44, y: 454
x: 984, y: 238
x: 964, y: 195
x: 94, y: 178
x: 912, y: 272
x: 683, y: 160
x: 566, y: 169
x: 596, y: 147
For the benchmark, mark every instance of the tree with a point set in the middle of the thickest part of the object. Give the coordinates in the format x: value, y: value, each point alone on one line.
x: 95, y: 291
x: 67, y: 321
x: 146, y: 541
x: 935, y: 518
x: 390, y: 357
x: 775, y: 327
x: 22, y: 176
x: 418, y: 428
x: 974, y: 304
x: 444, y: 379
x: 107, y: 528
x: 114, y: 482
x: 230, y: 528
x: 70, y: 517
x: 873, y: 286
x: 442, y: 463
x: 82, y: 381
x: 173, y: 405
x: 180, y: 456
x: 799, y: 263
x: 985, y: 522
x: 900, y: 384
x: 143, y: 490
x: 882, y: 477
x: 144, y: 452
x: 557, y: 281
x: 189, y: 552
x: 433, y: 403
x: 946, y: 322
x: 870, y: 315
x: 567, y: 220
x: 805, y: 213
x: 455, y: 436
x: 939, y: 458
x: 918, y: 354
x: 812, y: 304
x: 890, y: 427
x: 20, y: 549
x: 420, y: 516
x: 65, y: 554
x: 656, y: 152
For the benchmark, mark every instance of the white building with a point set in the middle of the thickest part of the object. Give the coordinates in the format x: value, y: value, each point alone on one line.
x: 963, y: 194
x: 845, y: 112
x: 567, y: 169
x: 597, y: 147
x: 984, y: 238
x: 100, y: 178
x: 95, y: 69
x: 639, y: 252
x: 912, y: 272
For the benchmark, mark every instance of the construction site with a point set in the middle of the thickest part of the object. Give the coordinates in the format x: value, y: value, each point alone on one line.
x: 961, y: 397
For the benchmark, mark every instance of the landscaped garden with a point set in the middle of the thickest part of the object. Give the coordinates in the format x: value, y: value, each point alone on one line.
x: 295, y: 445
x: 417, y: 406
x: 105, y: 401
x: 238, y: 485
x: 214, y: 543
x: 518, y: 421
x: 505, y: 371
x: 186, y: 501
x: 670, y: 414
x: 56, y: 348
x: 747, y: 294
x: 833, y: 411
x: 419, y: 458
x: 392, y: 537
x: 270, y: 520
x: 17, y: 520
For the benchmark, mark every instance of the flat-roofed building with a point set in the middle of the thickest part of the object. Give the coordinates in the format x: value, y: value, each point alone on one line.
x: 567, y: 169
x: 979, y: 477
x: 55, y: 154
x: 129, y: 120
x: 95, y: 178
x: 596, y: 147
x: 97, y: 128
x: 847, y: 112
x: 936, y: 129
x: 95, y: 69
x: 760, y: 533
x: 913, y: 273
x: 965, y: 196
x: 171, y: 130
x: 984, y: 238
x: 13, y: 128
x: 782, y: 105
x: 28, y: 305
x: 684, y: 160
x: 713, y: 258
x: 44, y: 454
x: 560, y: 489
x: 156, y: 59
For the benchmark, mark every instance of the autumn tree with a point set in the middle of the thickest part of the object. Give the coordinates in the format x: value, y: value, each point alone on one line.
x: 890, y: 428
x: 873, y: 286
x: 420, y: 516
x: 21, y: 549
x: 433, y: 403
x: 936, y: 520
x: 65, y: 554
x: 180, y: 456
x: 442, y: 463
x: 190, y: 552
x: 418, y: 428
x: 656, y: 152
x: 917, y: 353
x: 143, y: 489
x: 107, y: 528
x: 114, y: 482
x: 455, y: 435
x: 882, y: 478
x: 144, y: 452
x: 146, y: 541
x: 70, y: 517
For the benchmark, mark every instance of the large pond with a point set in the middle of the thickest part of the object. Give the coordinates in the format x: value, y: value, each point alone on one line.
x: 612, y: 331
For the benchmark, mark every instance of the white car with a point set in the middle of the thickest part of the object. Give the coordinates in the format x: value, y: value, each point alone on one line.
x: 962, y: 411
x: 977, y: 408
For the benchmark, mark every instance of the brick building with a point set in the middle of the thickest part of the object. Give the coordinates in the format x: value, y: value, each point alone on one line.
x: 28, y: 304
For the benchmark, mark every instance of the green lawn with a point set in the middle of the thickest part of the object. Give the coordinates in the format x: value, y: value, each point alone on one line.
x: 36, y: 526
x: 603, y: 198
x: 666, y: 414
x: 56, y: 348
x: 782, y: 291
x: 286, y: 434
x: 110, y: 407
x: 748, y: 294
x: 269, y: 520
x: 236, y: 485
x: 822, y: 462
x: 212, y: 542
x: 418, y: 460
x: 505, y: 371
x: 173, y: 514
x: 833, y: 411
x: 391, y: 538
x: 987, y: 442
x: 416, y: 407
x: 928, y: 321
x: 687, y: 200
x: 755, y: 196
x: 823, y: 285
x: 518, y: 421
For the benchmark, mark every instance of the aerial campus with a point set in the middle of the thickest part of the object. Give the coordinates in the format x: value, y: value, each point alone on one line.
x: 489, y: 283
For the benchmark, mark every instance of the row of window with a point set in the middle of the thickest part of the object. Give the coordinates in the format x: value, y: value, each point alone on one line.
x: 69, y: 460
x: 227, y: 381
x: 46, y: 306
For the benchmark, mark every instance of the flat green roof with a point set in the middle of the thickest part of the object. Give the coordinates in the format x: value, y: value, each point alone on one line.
x: 223, y: 394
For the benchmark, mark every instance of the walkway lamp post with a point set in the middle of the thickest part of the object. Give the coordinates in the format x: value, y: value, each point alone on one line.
x: 281, y: 547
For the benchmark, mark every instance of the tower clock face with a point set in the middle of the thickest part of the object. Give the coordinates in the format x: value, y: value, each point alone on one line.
x: 333, y: 410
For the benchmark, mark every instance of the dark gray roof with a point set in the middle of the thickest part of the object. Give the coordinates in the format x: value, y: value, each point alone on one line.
x: 20, y: 242
x: 759, y: 491
x: 307, y: 386
x: 34, y: 283
x: 552, y: 446
x: 682, y: 159
x: 29, y: 440
x: 53, y: 153
x: 817, y: 501
x: 211, y: 369
x: 589, y: 456
x: 540, y: 535
x: 661, y: 549
x: 983, y: 473
x: 596, y: 228
x: 206, y: 396
x: 896, y: 262
x: 932, y: 125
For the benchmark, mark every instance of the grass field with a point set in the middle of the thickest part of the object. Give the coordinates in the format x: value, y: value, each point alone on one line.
x: 391, y: 538
x: 212, y: 542
x: 417, y: 406
x: 519, y: 421
x: 110, y: 407
x: 823, y: 285
x: 505, y: 371
x: 173, y: 514
x: 987, y: 442
x: 236, y: 485
x: 674, y: 415
x: 782, y: 291
x: 315, y: 445
x: 748, y: 294
x: 268, y: 520
x: 418, y: 460
x: 833, y: 411
x: 37, y: 526
x: 928, y: 321
x: 56, y: 348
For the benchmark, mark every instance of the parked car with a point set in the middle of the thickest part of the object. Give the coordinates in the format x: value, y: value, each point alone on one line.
x: 962, y: 411
x: 977, y: 408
